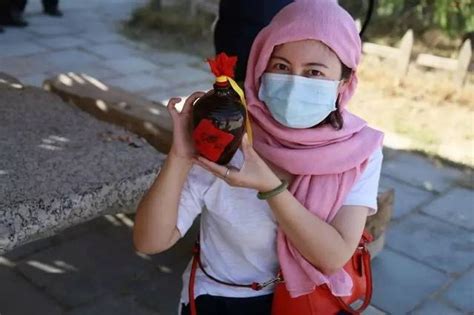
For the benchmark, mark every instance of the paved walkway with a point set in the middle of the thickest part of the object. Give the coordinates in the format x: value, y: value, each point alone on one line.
x: 427, y: 266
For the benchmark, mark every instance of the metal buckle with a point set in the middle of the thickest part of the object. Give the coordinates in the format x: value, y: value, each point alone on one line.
x: 269, y: 282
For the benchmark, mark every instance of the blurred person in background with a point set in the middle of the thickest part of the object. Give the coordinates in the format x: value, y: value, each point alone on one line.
x: 51, y: 7
x: 239, y: 23
x: 11, y: 11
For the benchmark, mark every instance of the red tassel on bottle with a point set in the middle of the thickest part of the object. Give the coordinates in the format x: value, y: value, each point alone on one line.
x: 223, y: 65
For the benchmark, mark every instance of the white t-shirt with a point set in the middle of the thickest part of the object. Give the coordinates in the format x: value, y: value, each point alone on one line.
x: 238, y: 231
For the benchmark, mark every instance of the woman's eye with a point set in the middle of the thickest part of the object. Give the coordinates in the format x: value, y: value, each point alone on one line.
x: 315, y: 73
x: 280, y: 67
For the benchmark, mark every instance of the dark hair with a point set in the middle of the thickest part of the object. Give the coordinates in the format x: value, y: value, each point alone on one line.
x: 335, y: 117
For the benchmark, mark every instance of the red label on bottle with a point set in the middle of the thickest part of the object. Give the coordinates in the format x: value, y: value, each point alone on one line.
x: 210, y: 141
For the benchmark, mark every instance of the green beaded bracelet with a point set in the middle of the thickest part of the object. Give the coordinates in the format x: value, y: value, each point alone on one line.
x: 273, y: 192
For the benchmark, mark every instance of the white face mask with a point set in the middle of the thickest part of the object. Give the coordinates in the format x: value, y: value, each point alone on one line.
x: 296, y: 101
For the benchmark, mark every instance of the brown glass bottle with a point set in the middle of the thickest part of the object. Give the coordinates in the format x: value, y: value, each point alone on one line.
x: 218, y: 123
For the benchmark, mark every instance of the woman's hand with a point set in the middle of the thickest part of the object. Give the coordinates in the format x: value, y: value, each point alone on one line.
x: 182, y: 146
x: 255, y: 173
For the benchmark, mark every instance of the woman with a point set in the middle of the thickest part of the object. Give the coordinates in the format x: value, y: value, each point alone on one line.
x: 300, y: 76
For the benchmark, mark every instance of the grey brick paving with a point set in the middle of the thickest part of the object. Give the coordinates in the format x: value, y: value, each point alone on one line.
x: 407, y: 198
x: 168, y: 58
x: 62, y: 42
x: 132, y: 65
x: 81, y: 270
x: 416, y: 170
x: 29, y: 249
x: 371, y: 310
x: 112, y: 50
x: 117, y: 305
x: 164, y: 94
x: 53, y: 30
x: 14, y: 36
x: 18, y: 66
x: 401, y: 283
x: 102, y: 37
x: 70, y: 57
x: 457, y: 207
x: 19, y: 297
x: 20, y: 49
x: 461, y: 293
x: 185, y: 74
x: 139, y: 82
x: 389, y: 153
x: 438, y: 244
x: 434, y: 307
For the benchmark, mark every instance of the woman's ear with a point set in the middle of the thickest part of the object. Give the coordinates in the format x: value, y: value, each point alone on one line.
x: 343, y: 84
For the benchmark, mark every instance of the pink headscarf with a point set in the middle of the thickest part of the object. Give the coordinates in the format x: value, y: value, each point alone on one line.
x: 326, y: 162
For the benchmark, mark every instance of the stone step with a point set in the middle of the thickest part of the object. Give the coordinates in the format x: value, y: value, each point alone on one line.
x: 62, y: 166
x: 145, y: 118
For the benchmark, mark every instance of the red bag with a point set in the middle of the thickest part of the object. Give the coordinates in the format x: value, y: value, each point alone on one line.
x: 321, y: 301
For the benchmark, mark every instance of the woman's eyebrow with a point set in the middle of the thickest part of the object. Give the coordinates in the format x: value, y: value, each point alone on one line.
x: 284, y: 59
x: 307, y: 64
x: 317, y: 64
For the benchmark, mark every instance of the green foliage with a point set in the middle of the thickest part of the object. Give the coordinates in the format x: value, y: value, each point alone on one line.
x: 454, y: 17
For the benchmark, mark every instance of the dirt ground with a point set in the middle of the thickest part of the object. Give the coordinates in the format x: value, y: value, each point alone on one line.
x: 426, y: 112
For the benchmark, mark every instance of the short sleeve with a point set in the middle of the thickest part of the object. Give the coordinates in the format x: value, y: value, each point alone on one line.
x: 192, y: 197
x: 365, y: 190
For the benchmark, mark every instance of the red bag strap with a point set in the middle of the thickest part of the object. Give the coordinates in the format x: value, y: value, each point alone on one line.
x: 192, y: 303
x: 198, y: 264
x: 367, y: 269
x: 254, y: 285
